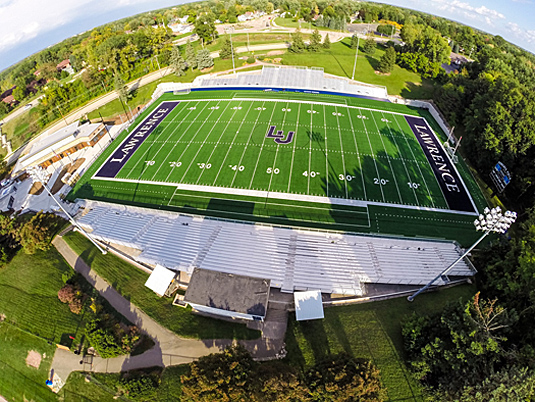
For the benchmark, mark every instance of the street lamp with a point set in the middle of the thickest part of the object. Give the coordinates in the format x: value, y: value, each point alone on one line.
x: 356, y: 56
x: 491, y: 221
x: 38, y: 174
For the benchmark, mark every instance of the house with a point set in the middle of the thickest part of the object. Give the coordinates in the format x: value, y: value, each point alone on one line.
x: 180, y: 28
x: 65, y: 65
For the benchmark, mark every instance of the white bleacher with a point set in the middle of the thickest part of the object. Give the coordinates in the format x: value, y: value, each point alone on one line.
x: 295, y: 78
x: 294, y: 259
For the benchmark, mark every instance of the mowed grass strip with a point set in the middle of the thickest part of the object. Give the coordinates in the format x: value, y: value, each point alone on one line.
x: 29, y: 286
x: 18, y: 381
x: 370, y: 330
x: 130, y: 282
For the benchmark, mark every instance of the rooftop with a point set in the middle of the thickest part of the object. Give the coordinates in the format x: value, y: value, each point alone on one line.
x: 238, y: 293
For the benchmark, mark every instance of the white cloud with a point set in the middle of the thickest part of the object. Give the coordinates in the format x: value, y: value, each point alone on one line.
x: 521, y: 33
x: 23, y: 20
x: 481, y: 13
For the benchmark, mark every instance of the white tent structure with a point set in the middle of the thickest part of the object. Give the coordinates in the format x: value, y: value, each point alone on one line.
x: 160, y: 279
x: 308, y: 305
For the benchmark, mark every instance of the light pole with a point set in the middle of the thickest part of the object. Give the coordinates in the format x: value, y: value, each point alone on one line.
x: 356, y: 55
x: 38, y: 174
x: 232, y: 50
x: 492, y: 221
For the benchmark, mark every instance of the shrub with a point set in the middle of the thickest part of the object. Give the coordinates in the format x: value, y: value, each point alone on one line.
x: 261, y: 57
x: 76, y: 306
x: 250, y: 60
x: 139, y: 388
x: 67, y: 293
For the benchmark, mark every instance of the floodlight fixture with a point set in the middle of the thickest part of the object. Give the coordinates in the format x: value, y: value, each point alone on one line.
x: 493, y: 220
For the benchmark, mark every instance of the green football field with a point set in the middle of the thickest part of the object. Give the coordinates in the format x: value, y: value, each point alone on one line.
x: 289, y: 156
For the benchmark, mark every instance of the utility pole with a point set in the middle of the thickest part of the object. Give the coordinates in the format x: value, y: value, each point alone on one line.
x: 232, y: 51
x: 356, y: 56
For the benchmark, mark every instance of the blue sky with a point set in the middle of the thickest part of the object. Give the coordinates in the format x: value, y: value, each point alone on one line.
x: 27, y: 26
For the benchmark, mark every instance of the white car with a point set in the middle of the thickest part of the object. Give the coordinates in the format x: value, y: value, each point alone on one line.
x: 28, y: 106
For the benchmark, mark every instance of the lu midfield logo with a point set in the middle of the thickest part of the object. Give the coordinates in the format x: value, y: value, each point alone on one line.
x: 278, y: 138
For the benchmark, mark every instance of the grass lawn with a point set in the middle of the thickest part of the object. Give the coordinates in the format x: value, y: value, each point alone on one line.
x: 143, y: 94
x: 29, y: 287
x: 102, y: 387
x: 289, y: 23
x: 130, y: 282
x: 19, y: 381
x: 339, y: 60
x: 370, y: 330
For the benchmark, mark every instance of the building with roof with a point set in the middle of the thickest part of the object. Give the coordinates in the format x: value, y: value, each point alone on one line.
x: 65, y: 65
x: 61, y: 144
x: 228, y: 295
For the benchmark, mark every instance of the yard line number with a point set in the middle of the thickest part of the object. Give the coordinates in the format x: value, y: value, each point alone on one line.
x: 306, y: 173
x: 150, y: 163
x: 240, y: 168
x: 272, y: 170
x: 204, y: 165
x: 347, y: 177
x: 175, y: 164
x: 413, y: 185
x: 381, y: 182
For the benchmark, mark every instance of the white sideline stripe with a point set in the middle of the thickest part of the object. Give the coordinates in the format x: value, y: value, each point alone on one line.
x: 282, y: 196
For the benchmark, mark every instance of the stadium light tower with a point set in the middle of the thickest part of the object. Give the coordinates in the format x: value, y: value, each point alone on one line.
x: 491, y: 221
x: 38, y: 174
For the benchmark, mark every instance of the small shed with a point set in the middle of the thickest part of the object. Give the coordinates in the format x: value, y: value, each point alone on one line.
x: 308, y: 305
x: 160, y: 279
x: 228, y: 295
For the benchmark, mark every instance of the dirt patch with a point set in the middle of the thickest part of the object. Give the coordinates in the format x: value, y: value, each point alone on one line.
x: 58, y: 184
x: 380, y: 73
x: 33, y: 359
x: 275, y: 52
x: 36, y: 189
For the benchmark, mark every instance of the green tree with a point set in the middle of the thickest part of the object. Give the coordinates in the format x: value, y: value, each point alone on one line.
x: 20, y: 92
x: 386, y: 29
x: 342, y: 378
x: 354, y: 41
x: 222, y: 376
x: 205, y: 28
x: 297, y: 45
x: 120, y: 88
x: 369, y: 46
x: 204, y: 60
x: 37, y: 233
x: 315, y: 41
x: 326, y: 42
x: 227, y: 49
x: 386, y: 64
x: 176, y: 62
x: 191, y: 57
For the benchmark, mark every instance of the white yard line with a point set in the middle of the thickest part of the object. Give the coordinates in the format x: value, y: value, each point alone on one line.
x: 176, y: 142
x: 232, y: 143
x: 310, y: 147
x: 285, y: 196
x: 358, y: 154
x: 276, y: 153
x: 343, y: 153
x: 293, y: 152
x: 247, y: 144
x: 373, y: 157
x: 326, y: 153
x: 261, y: 148
x: 388, y: 159
x: 149, y: 143
x: 417, y: 164
x: 216, y: 145
x: 411, y: 180
x: 192, y: 162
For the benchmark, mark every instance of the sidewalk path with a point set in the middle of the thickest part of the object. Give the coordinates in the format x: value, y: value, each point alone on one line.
x: 170, y: 349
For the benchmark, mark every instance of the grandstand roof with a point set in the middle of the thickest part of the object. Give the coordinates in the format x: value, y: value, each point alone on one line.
x: 237, y: 293
x: 292, y: 258
x: 308, y: 305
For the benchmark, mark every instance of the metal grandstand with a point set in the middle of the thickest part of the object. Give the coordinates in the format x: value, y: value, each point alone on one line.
x: 292, y: 258
x: 303, y: 78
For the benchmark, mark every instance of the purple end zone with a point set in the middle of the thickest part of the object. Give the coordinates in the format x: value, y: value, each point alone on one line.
x: 447, y: 177
x: 120, y: 156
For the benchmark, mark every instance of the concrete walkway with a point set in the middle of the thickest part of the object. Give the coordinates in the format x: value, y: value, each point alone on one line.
x: 169, y: 348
